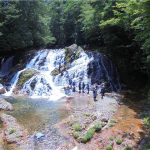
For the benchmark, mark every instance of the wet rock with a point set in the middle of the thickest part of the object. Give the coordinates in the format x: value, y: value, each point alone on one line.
x: 1, y: 139
x: 104, y: 119
x: 39, y: 135
x: 2, y: 89
x: 14, y: 133
x: 111, y: 143
x: 25, y: 75
x: 5, y: 105
x: 8, y: 88
x: 75, y: 148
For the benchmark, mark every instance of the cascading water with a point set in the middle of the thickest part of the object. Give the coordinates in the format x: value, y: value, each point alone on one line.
x: 6, y: 66
x: 90, y: 67
x: 101, y: 70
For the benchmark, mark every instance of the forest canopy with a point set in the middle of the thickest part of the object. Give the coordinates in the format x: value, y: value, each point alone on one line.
x: 120, y: 28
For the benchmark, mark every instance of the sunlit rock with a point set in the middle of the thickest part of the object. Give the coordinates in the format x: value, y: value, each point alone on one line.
x: 39, y: 135
x: 5, y: 105
x: 104, y: 119
x: 1, y: 139
x: 25, y: 75
x: 14, y: 133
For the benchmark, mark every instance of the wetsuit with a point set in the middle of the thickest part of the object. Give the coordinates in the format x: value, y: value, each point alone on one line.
x: 73, y: 86
x: 94, y: 93
x: 88, y: 88
x: 83, y: 85
x: 80, y: 87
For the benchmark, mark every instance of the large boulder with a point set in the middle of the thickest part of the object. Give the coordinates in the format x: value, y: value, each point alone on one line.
x: 25, y: 75
x: 2, y: 89
x: 5, y: 105
x: 14, y: 133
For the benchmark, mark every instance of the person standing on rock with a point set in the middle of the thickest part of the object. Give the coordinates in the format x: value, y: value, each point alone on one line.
x: 59, y: 66
x: 73, y: 86
x: 94, y: 93
x: 79, y: 86
x: 88, y: 88
x: 102, y: 90
x: 83, y: 86
x: 70, y: 83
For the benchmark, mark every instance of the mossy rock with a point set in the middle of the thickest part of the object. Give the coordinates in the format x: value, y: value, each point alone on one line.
x: 25, y: 75
x: 75, y: 134
x: 55, y: 72
x: 77, y: 126
x: 90, y: 133
x: 97, y: 126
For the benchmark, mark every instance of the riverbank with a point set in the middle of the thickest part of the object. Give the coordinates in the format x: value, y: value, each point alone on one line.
x: 122, y: 127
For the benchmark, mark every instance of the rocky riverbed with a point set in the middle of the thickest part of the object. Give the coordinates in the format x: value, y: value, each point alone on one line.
x: 114, y: 121
x: 120, y: 119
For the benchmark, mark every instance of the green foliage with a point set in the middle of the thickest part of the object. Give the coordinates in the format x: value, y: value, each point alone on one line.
x: 97, y: 126
x: 77, y: 55
x: 111, y: 138
x: 12, y: 131
x: 25, y: 75
x: 24, y: 24
x: 77, y: 126
x: 75, y: 134
x: 113, y: 121
x: 147, y: 147
x: 18, y: 136
x: 127, y: 148
x: 118, y: 141
x: 108, y: 147
x: 146, y: 121
x: 89, y: 134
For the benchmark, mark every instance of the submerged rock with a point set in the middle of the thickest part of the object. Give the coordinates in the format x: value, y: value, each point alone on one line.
x: 5, y: 105
x: 39, y: 135
x: 2, y: 89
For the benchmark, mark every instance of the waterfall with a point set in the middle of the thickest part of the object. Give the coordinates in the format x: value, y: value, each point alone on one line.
x: 101, y: 69
x: 6, y: 66
x: 77, y: 71
x: 45, y: 85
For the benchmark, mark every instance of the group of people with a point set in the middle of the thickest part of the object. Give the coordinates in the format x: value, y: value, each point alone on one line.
x: 95, y: 91
x: 81, y: 86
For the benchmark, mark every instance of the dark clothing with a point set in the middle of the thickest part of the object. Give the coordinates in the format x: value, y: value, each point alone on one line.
x: 94, y: 93
x: 88, y: 88
x: 64, y: 63
x: 59, y: 66
x: 79, y: 87
x: 73, y: 83
x: 72, y: 58
x: 83, y: 86
x: 73, y: 86
x: 102, y: 91
x: 70, y: 81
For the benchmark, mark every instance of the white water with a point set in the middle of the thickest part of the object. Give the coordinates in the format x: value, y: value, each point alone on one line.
x: 44, y: 84
x: 6, y: 66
